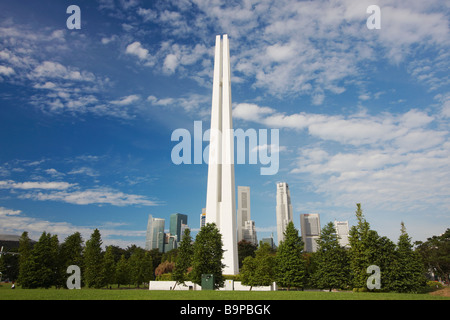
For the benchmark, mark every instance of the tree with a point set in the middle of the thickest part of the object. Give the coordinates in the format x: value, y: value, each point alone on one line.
x: 332, y: 266
x: 259, y: 270
x: 435, y: 253
x: 385, y: 257
x: 208, y: 254
x: 122, y: 273
x: 184, y: 258
x: 137, y: 266
x: 245, y: 249
x: 93, y: 261
x: 291, y: 267
x: 72, y: 251
x: 39, y: 269
x: 109, y: 266
x: 409, y: 276
x: 359, y: 239
x: 147, y: 266
x: 24, y: 255
x: 56, y: 265
x: 156, y: 257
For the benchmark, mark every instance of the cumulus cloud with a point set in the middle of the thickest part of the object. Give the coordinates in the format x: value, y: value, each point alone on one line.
x: 6, y: 71
x: 15, y: 222
x: 389, y: 160
x: 10, y: 184
x: 51, y: 69
x: 71, y: 193
x: 126, y: 100
x: 137, y: 50
x: 98, y: 196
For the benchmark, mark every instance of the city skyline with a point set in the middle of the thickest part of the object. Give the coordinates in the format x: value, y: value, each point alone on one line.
x: 87, y: 114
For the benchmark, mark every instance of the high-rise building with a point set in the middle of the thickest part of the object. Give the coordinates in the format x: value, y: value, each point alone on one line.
x: 221, y: 192
x: 269, y: 241
x: 176, y: 220
x: 155, y: 237
x: 203, y: 218
x: 183, y: 228
x: 342, y: 231
x: 249, y: 232
x: 170, y: 242
x: 310, y: 228
x: 284, y: 209
x: 243, y: 210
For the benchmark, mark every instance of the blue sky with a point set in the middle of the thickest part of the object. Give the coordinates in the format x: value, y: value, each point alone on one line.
x: 86, y: 116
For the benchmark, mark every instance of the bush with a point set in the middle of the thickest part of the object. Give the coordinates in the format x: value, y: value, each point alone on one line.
x: 433, y: 286
x: 164, y: 277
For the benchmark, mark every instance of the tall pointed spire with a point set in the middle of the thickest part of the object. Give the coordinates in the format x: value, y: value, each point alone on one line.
x: 220, y: 196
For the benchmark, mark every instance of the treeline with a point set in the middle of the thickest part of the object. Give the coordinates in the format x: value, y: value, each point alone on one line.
x: 44, y: 264
x: 402, y: 268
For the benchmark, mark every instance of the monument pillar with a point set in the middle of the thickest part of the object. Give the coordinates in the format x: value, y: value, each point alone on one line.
x: 221, y: 193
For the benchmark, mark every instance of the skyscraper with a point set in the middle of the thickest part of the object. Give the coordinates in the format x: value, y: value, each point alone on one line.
x: 284, y: 209
x: 155, y: 237
x: 243, y: 210
x: 249, y: 232
x: 342, y: 231
x: 221, y: 192
x: 203, y: 218
x: 310, y: 228
x: 176, y: 220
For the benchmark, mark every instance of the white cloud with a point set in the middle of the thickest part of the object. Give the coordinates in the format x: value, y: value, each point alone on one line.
x: 137, y: 50
x: 9, y: 212
x: 106, y: 40
x: 170, y: 63
x: 251, y: 112
x: 126, y: 100
x: 10, y: 184
x: 54, y: 173
x: 51, y: 69
x: 191, y: 103
x: 16, y: 222
x: 98, y: 196
x: 84, y: 170
x: 147, y: 14
x: 387, y: 160
x: 6, y: 71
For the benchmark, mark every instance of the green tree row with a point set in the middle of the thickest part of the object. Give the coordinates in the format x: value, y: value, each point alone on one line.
x: 335, y: 267
x: 331, y: 267
x: 44, y: 265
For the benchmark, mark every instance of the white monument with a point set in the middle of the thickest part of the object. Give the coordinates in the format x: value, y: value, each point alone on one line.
x: 220, y: 194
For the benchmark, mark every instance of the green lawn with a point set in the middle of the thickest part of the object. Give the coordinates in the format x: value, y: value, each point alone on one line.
x: 6, y: 293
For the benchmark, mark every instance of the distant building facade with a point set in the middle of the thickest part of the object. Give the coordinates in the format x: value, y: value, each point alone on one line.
x: 245, y: 226
x: 155, y: 238
x: 342, y: 230
x: 283, y: 210
x: 310, y: 229
x: 203, y: 218
x: 249, y: 232
x: 176, y: 222
x: 269, y: 241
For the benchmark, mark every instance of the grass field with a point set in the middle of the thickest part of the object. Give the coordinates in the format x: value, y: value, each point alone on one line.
x: 6, y: 293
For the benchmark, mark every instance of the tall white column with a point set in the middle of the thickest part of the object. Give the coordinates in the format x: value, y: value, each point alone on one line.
x: 221, y: 197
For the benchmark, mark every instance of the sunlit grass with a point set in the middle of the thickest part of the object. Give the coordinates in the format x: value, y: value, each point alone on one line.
x: 6, y: 293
